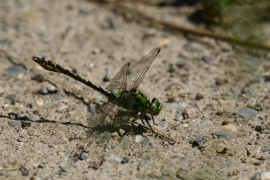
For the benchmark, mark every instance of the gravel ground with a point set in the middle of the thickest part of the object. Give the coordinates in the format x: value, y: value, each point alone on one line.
x: 216, y: 105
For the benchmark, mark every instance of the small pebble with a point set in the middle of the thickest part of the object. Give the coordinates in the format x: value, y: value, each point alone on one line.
x: 222, y: 133
x: 87, y: 150
x: 185, y: 125
x: 185, y: 167
x: 124, y: 160
x: 178, y: 118
x: 15, y: 69
x: 258, y: 106
x: 13, y: 123
x: 245, y: 90
x: 165, y: 173
x: 58, y: 95
x: 43, y: 91
x: 22, y: 139
x: 121, y: 132
x: 93, y: 165
x: 91, y: 108
x: 230, y: 127
x: 138, y: 138
x: 233, y: 173
x: 66, y: 169
x: 162, y: 126
x: 252, y: 141
x: 15, y: 115
x: 219, y: 112
x: 266, y: 148
x: 220, y: 82
x: 125, y: 141
x: 151, y: 32
x: 109, y: 75
x: 83, y: 156
x: 189, y: 113
x: 98, y: 98
x: 26, y: 124
x: 39, y: 101
x: 115, y: 135
x: 32, y: 118
x: 164, y: 42
x: 5, y: 41
x: 199, y: 96
x: 260, y: 127
x: 51, y: 88
x: 178, y: 157
x: 246, y: 111
x: 222, y: 150
x: 225, y: 123
x: 171, y: 99
x: 145, y: 142
x: 148, y: 158
x: 96, y: 51
x: 181, y: 174
x: 198, y: 141
x: 41, y: 166
x: 114, y: 158
x: 180, y: 112
x: 61, y: 108
x: 84, y: 11
x: 193, y: 47
x: 180, y: 64
x: 207, y: 58
x: 142, y: 163
x: 38, y: 78
x: 24, y: 171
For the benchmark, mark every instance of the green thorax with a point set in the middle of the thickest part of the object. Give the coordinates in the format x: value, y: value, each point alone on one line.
x: 133, y: 100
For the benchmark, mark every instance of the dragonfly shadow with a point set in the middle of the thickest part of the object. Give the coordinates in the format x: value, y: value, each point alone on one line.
x: 129, y: 128
x: 16, y: 117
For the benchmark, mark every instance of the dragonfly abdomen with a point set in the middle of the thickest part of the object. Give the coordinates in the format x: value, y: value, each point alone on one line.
x: 52, y: 66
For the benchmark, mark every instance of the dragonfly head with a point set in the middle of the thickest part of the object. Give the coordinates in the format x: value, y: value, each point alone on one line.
x: 155, y: 107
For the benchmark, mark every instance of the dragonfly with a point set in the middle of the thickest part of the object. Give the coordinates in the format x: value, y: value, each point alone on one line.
x: 122, y: 92
x: 124, y: 103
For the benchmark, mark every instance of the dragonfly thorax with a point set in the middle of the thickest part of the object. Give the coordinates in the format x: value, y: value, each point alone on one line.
x: 136, y: 101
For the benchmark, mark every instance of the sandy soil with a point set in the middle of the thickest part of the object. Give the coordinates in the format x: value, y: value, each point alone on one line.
x: 216, y: 105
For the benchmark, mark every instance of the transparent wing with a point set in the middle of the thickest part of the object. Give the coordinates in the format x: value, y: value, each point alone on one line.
x: 97, y: 153
x: 118, y: 83
x: 137, y: 72
x: 97, y: 133
x: 125, y: 115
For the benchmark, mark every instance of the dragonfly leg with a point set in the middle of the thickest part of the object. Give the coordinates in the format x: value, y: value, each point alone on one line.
x: 148, y: 123
x: 154, y: 120
x: 134, y: 119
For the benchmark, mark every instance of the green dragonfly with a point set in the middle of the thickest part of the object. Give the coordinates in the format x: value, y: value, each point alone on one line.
x: 122, y: 92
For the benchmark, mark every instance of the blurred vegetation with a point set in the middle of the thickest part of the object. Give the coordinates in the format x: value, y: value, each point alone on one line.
x: 241, y: 19
x: 242, y: 23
